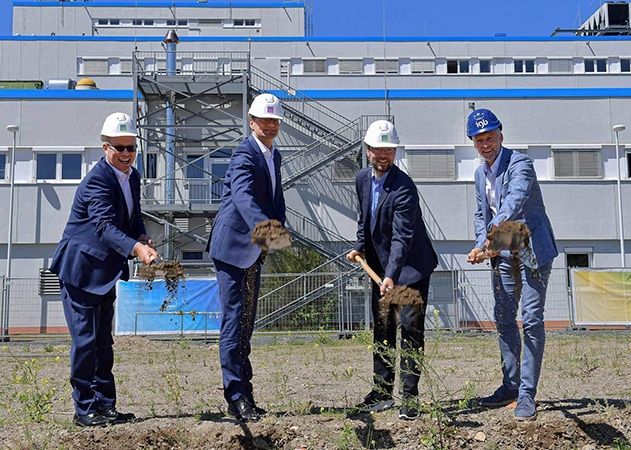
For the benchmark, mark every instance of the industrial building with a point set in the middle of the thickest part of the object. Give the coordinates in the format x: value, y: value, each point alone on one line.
x: 187, y: 70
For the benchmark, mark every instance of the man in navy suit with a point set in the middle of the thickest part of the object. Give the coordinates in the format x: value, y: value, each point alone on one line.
x: 507, y: 189
x: 392, y: 236
x: 252, y: 193
x: 104, y: 230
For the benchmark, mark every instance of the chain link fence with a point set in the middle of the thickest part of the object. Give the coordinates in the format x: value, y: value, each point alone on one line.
x: 326, y: 301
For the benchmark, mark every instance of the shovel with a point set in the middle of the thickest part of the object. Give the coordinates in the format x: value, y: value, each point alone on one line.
x: 371, y: 273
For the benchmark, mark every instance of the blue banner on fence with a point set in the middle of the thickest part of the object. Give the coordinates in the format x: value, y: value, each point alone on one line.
x: 192, y: 306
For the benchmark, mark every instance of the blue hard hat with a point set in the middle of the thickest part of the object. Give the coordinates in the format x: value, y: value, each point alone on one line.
x: 481, y: 121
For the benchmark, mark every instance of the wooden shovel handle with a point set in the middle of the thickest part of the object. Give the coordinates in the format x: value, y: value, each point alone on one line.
x: 371, y: 273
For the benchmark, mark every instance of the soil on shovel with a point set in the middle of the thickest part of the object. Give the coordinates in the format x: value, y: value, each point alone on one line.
x: 399, y: 296
x: 271, y: 235
x: 509, y: 235
x: 171, y: 271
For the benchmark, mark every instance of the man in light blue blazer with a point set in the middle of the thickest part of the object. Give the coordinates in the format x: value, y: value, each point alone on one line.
x: 252, y: 193
x: 104, y: 230
x: 507, y: 189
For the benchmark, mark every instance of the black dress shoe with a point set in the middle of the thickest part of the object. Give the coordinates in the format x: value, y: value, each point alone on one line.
x: 91, y: 420
x: 114, y: 416
x: 260, y: 411
x: 243, y: 410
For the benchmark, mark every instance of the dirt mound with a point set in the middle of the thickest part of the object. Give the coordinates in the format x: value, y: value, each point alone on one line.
x: 172, y: 272
x: 510, y: 235
x: 271, y: 235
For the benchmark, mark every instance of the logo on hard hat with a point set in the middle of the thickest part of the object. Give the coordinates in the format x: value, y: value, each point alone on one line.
x: 123, y: 127
x: 481, y: 123
x: 270, y: 109
x: 384, y: 137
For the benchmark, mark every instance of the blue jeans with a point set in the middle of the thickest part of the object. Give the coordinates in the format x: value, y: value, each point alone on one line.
x: 512, y: 281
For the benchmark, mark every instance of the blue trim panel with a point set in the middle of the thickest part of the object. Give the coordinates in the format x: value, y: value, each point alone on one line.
x: 67, y: 94
x: 380, y: 94
x: 344, y: 94
x: 162, y: 4
x: 160, y: 38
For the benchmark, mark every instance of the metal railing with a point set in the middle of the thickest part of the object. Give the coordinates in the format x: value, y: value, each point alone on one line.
x: 193, y: 63
x: 188, y: 191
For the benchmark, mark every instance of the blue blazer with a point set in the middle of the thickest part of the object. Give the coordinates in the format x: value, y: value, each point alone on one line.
x: 519, y: 198
x: 99, y: 236
x: 246, y: 200
x: 399, y: 236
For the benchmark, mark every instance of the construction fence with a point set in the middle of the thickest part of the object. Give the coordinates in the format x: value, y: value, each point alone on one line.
x: 340, y: 301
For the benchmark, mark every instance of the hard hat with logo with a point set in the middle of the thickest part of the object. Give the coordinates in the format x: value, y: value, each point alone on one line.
x: 266, y: 106
x: 118, y: 125
x: 380, y: 134
x: 481, y: 121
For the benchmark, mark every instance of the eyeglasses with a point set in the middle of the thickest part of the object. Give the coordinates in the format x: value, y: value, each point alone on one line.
x: 268, y: 120
x: 122, y: 148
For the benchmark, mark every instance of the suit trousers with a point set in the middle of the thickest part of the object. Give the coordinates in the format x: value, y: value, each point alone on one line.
x: 239, y: 290
x: 512, y: 281
x: 412, y: 321
x: 89, y: 317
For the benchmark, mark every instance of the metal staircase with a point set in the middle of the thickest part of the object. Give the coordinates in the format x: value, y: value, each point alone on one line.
x: 299, y: 292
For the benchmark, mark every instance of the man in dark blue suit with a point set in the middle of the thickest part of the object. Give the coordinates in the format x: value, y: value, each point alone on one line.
x: 392, y: 236
x: 252, y: 193
x: 104, y: 230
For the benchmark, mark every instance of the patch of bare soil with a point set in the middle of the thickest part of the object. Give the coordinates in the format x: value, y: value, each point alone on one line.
x: 399, y: 296
x: 310, y: 388
x: 271, y: 235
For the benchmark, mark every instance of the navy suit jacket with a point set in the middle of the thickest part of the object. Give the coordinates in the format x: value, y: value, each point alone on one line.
x: 519, y: 198
x: 247, y: 199
x: 99, y: 236
x: 399, y: 237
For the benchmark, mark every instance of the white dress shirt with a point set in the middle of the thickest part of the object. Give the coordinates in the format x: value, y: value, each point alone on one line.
x: 269, y: 159
x: 491, y: 175
x: 123, y: 180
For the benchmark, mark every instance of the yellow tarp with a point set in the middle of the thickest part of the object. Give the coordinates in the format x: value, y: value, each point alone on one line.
x: 601, y: 297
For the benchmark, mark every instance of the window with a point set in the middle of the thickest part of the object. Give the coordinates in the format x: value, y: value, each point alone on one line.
x: 422, y: 66
x: 182, y: 23
x: 115, y: 22
x: 560, y: 65
x: 151, y: 170
x: 595, y: 65
x: 244, y: 23
x: 575, y: 260
x: 351, y: 66
x: 314, y: 66
x: 137, y: 22
x: 431, y: 164
x: 524, y: 65
x: 3, y: 165
x: 628, y: 157
x: 485, y: 66
x: 577, y: 163
x: 625, y: 65
x: 125, y: 65
x: 46, y: 166
x: 284, y: 67
x: 386, y: 66
x: 103, y: 22
x: 188, y: 255
x: 148, y: 22
x: 93, y: 67
x: 170, y: 22
x: 458, y: 66
x: 70, y: 166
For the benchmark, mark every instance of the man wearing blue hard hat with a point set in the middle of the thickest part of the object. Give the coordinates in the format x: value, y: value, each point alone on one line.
x: 507, y: 189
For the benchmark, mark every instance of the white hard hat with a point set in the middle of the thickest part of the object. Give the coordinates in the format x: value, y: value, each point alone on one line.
x: 117, y: 125
x: 382, y: 133
x: 266, y: 106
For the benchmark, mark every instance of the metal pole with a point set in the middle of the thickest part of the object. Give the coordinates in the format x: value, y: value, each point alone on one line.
x: 7, y: 281
x: 617, y: 129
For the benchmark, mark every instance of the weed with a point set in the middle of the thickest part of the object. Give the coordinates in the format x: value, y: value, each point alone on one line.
x: 347, y: 439
x: 35, y: 394
x: 172, y: 378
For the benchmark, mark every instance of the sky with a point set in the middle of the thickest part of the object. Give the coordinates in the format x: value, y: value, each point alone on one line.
x: 430, y: 18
